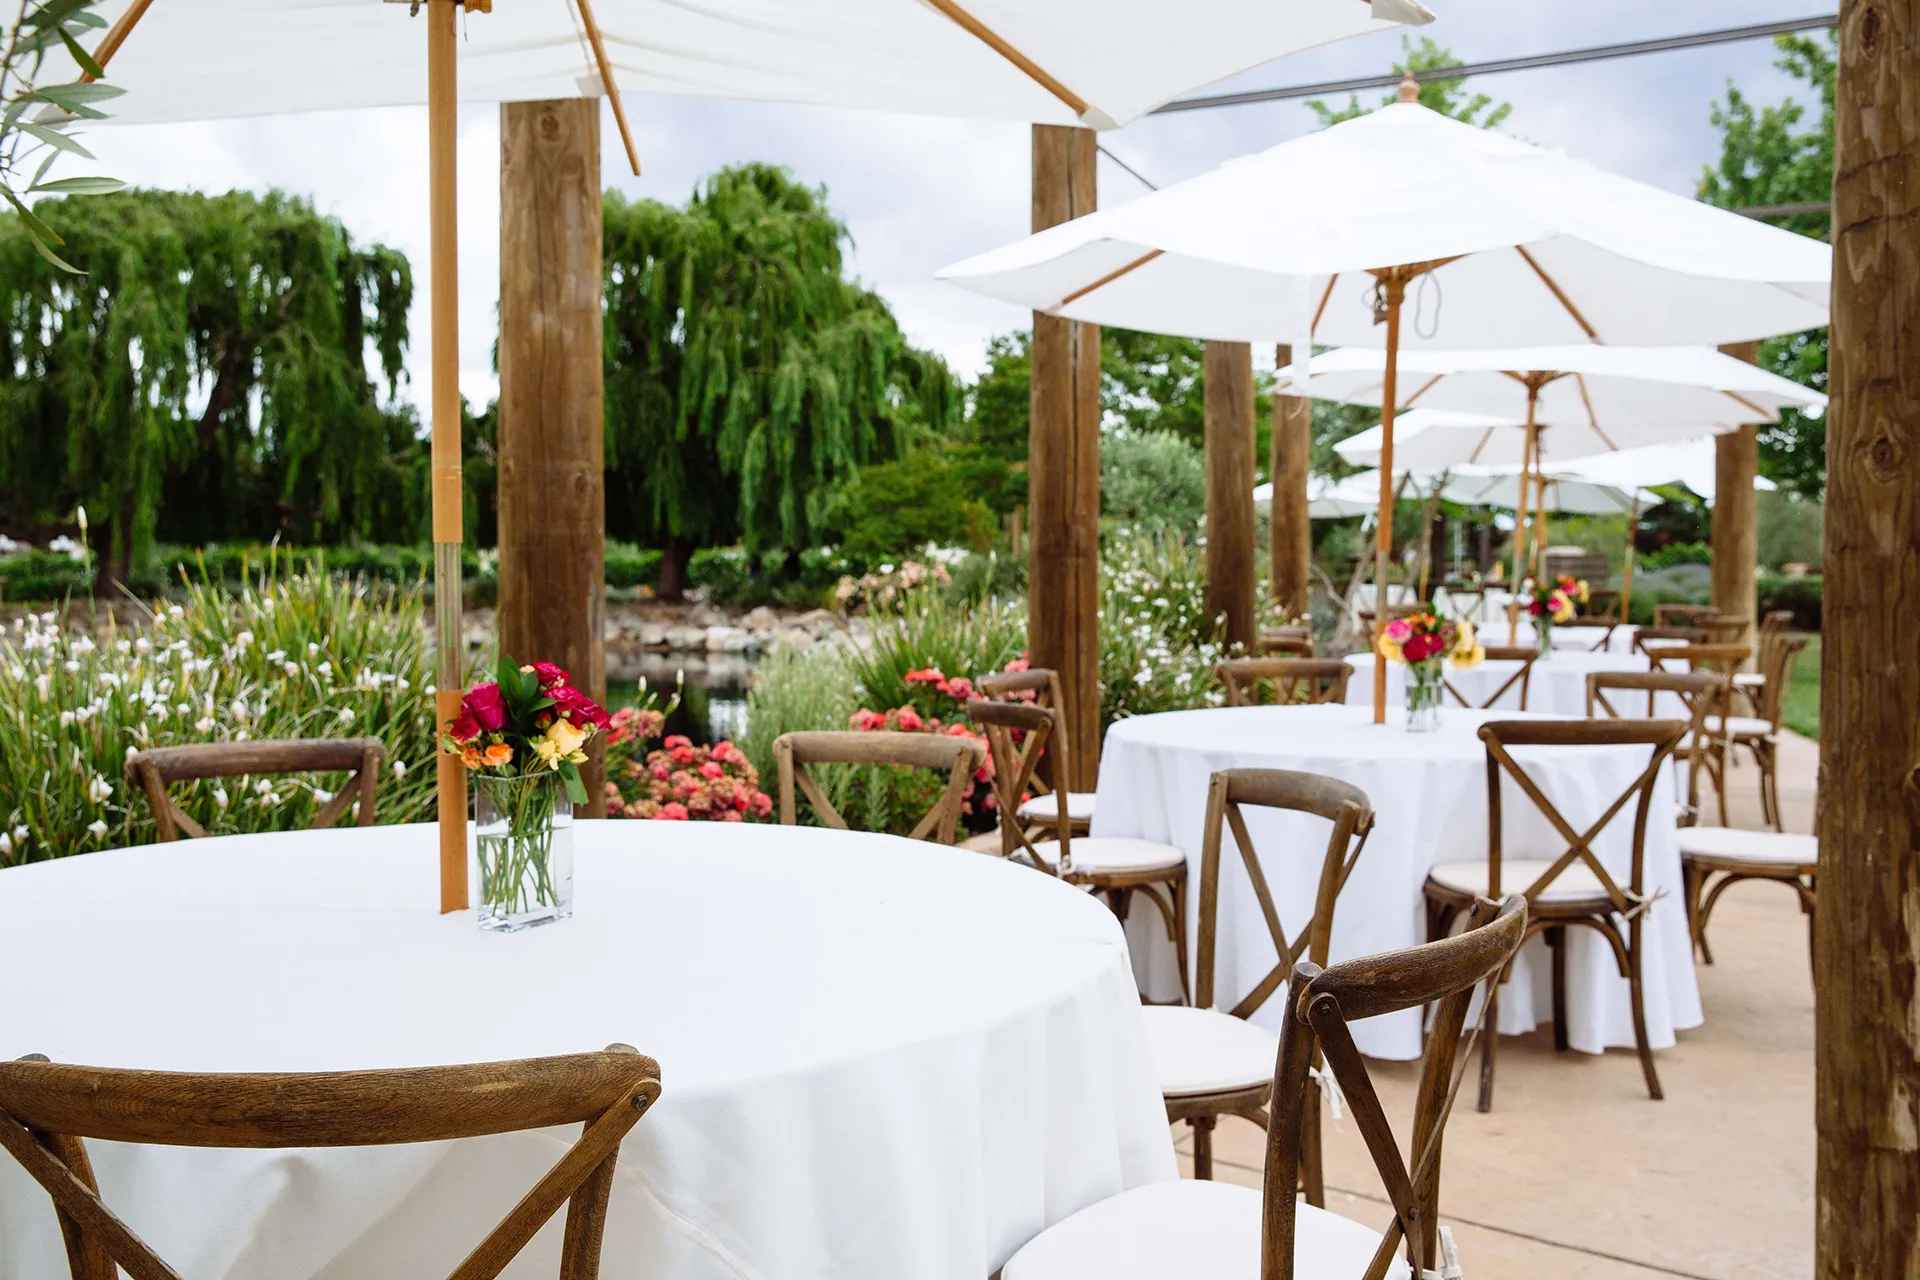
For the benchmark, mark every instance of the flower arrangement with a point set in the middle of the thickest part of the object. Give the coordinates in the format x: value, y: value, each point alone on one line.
x: 1423, y: 643
x: 1557, y: 601
x: 680, y: 782
x: 530, y: 720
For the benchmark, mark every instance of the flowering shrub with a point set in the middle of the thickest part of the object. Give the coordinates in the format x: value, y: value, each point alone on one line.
x: 889, y: 586
x: 527, y: 720
x: 1158, y: 647
x: 930, y: 636
x: 281, y: 658
x: 681, y: 782
x: 916, y: 790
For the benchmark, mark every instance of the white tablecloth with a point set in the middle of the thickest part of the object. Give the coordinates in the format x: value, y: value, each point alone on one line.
x: 1429, y: 793
x: 881, y: 1059
x: 1556, y: 687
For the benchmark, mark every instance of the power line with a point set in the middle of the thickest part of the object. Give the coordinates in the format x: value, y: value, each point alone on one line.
x: 1457, y: 71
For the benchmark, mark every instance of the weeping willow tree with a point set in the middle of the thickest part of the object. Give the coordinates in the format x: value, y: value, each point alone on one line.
x: 207, y: 378
x: 745, y: 374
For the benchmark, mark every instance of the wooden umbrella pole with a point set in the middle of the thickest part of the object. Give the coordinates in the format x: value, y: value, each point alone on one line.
x: 1626, y: 581
x: 448, y: 531
x: 1396, y: 287
x: 1521, y: 526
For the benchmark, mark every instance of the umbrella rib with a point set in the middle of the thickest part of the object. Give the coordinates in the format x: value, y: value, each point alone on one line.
x: 1745, y: 403
x: 1485, y: 436
x: 1425, y: 387
x: 117, y: 35
x: 1108, y: 278
x: 993, y: 40
x: 1324, y: 299
x: 1558, y: 292
x: 607, y: 81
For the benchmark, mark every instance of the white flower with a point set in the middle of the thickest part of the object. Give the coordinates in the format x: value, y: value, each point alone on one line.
x: 313, y: 650
x: 98, y: 791
x: 203, y: 725
x: 399, y: 769
x: 142, y: 644
x: 97, y: 829
x: 124, y: 646
x: 20, y: 834
x: 111, y: 679
x: 66, y: 719
x: 346, y: 715
x: 263, y: 786
x: 404, y: 686
x: 277, y: 655
x: 220, y: 799
x: 326, y: 670
x: 291, y: 668
x: 271, y: 800
x: 239, y: 708
x: 81, y: 646
x: 131, y: 753
x: 175, y: 611
x: 429, y: 690
x: 242, y: 640
x: 321, y: 796
x: 71, y: 666
x: 41, y: 683
x: 6, y: 844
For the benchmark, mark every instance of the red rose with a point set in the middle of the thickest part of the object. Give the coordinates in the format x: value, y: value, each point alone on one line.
x: 578, y: 707
x: 550, y: 675
x: 484, y: 704
x: 762, y: 804
x: 1420, y: 647
x: 464, y: 727
x: 710, y: 770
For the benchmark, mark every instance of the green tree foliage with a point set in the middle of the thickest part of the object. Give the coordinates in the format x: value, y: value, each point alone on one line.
x: 950, y: 495
x: 746, y: 374
x: 1152, y: 478
x: 208, y: 378
x: 1445, y: 96
x: 1774, y: 156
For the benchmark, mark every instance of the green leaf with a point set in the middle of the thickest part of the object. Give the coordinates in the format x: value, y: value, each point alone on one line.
x: 41, y: 172
x: 55, y: 258
x: 39, y: 229
x: 81, y: 57
x: 80, y: 186
x: 75, y: 97
x: 507, y: 673
x: 56, y: 12
x: 576, y: 789
x: 54, y: 137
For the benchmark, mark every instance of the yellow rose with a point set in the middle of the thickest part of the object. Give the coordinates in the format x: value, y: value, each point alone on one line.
x: 548, y: 750
x: 567, y: 737
x: 1388, y: 649
x: 1583, y: 591
x: 1469, y: 658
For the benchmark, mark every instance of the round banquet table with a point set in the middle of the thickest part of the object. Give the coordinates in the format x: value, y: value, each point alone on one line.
x: 1557, y: 685
x: 881, y: 1059
x: 1429, y: 794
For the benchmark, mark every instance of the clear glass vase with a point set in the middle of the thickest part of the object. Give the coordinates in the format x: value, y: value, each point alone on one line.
x: 1543, y: 634
x: 522, y: 872
x: 1424, y: 681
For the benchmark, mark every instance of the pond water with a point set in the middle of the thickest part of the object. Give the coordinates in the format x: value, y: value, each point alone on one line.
x: 713, y: 699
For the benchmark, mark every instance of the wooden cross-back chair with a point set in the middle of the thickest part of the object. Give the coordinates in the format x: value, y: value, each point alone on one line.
x: 47, y: 1111
x: 1215, y: 1063
x: 1760, y: 734
x: 1773, y: 630
x: 1115, y: 867
x: 1525, y: 655
x: 1682, y: 615
x: 1604, y: 626
x: 154, y: 769
x: 1603, y: 609
x: 1652, y: 642
x: 1292, y: 681
x: 1054, y: 776
x: 1734, y: 855
x: 1199, y: 1230
x: 1573, y: 889
x: 1703, y: 693
x: 957, y: 757
x: 1285, y: 642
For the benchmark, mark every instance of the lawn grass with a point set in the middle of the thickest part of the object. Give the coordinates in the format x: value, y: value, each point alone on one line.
x: 1802, y: 711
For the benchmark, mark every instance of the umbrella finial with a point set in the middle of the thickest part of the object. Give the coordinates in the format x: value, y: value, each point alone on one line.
x: 1409, y: 88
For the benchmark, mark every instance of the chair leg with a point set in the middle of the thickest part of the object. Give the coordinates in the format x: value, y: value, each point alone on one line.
x: 1557, y: 943
x: 1313, y: 1176
x: 1719, y: 773
x: 1770, y: 785
x: 1202, y: 1147
x: 1488, y: 1035
x: 1635, y: 962
x: 1695, y: 882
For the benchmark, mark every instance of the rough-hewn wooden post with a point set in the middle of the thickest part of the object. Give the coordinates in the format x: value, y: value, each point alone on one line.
x: 1736, y: 514
x: 552, y: 479
x: 1229, y: 441
x: 1063, y: 466
x: 1289, y: 531
x: 1867, y: 935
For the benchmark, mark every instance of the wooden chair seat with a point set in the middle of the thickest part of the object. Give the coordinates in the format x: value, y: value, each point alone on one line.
x: 1468, y: 880
x: 1202, y: 1051
x: 1196, y: 1231
x: 1045, y: 808
x: 1112, y: 855
x: 1791, y: 853
x: 1739, y: 727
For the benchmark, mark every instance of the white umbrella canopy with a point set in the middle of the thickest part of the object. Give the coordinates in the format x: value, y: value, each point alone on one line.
x: 1440, y: 440
x: 1567, y: 494
x: 1689, y: 463
x: 1694, y: 388
x: 1100, y: 63
x: 1535, y: 248
x: 1330, y: 499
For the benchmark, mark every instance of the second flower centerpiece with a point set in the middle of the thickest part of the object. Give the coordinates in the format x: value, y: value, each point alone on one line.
x: 523, y: 739
x: 1424, y: 643
x: 1549, y: 603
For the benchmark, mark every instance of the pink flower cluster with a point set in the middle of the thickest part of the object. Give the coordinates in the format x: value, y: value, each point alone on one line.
x: 681, y: 782
x: 907, y: 720
x: 959, y: 687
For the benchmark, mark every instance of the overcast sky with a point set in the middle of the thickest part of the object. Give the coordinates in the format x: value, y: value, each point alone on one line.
x: 918, y: 193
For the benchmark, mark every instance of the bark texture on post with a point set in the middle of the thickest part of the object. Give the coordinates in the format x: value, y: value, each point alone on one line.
x: 1867, y: 934
x: 552, y: 479
x: 1736, y: 513
x: 1289, y: 530
x: 1063, y: 466
x: 1229, y: 457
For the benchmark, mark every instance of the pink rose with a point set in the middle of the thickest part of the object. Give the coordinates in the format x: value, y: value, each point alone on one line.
x: 484, y: 704
x: 711, y: 770
x: 676, y: 740
x: 910, y: 720
x: 1399, y: 630
x: 673, y: 811
x: 578, y: 707
x: 731, y: 815
x: 762, y: 804
x: 550, y: 675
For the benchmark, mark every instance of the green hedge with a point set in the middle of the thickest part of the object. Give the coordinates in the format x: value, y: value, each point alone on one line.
x: 1800, y: 595
x: 42, y: 575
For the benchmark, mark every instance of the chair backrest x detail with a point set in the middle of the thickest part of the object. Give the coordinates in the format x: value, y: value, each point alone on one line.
x: 1662, y: 736
x: 1321, y: 1006
x: 1340, y: 803
x: 1291, y: 680
x: 1014, y: 763
x: 958, y: 757
x: 152, y: 770
x: 1703, y: 693
x: 1041, y: 686
x: 47, y: 1111
x: 1525, y: 655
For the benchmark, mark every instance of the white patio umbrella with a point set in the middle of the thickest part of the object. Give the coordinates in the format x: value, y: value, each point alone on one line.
x: 1328, y: 498
x: 1094, y: 62
x: 1689, y: 463
x: 1499, y: 241
x: 1600, y: 396
x: 1567, y: 494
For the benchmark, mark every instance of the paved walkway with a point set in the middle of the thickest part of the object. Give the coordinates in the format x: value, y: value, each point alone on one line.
x: 1576, y: 1173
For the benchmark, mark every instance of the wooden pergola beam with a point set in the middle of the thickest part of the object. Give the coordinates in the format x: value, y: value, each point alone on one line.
x: 1736, y: 514
x: 1289, y: 528
x: 1867, y: 931
x: 1231, y: 572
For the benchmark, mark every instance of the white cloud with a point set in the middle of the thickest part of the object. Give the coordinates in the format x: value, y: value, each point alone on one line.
x: 917, y: 193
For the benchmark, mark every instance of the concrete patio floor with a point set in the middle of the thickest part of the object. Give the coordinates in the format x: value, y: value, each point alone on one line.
x: 1577, y: 1173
